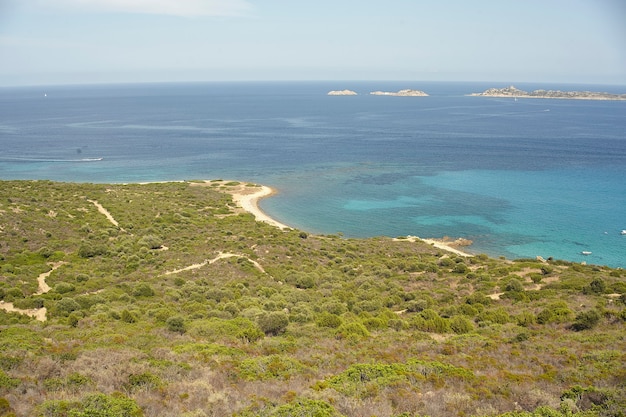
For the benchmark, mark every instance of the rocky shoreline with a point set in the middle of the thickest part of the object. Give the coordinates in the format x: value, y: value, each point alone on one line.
x: 514, y: 92
x: 401, y: 93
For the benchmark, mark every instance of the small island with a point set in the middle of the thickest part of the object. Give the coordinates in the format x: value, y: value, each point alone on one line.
x: 401, y: 93
x: 514, y: 92
x: 342, y: 93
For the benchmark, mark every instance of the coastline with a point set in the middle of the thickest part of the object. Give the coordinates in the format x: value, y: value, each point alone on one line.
x: 249, y: 202
x: 247, y: 197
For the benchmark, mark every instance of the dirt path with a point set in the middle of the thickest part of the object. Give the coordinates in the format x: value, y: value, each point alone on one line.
x: 217, y: 258
x: 37, y: 313
x: 108, y: 215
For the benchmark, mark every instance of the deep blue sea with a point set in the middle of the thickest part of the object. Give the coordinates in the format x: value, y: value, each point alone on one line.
x: 519, y: 178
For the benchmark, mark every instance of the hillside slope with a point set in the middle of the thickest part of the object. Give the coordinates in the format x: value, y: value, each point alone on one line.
x: 169, y: 300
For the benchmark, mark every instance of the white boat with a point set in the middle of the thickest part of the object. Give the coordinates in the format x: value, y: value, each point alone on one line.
x: 585, y: 252
x: 623, y: 232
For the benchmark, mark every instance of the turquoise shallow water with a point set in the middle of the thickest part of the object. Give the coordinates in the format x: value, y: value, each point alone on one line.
x: 520, y: 179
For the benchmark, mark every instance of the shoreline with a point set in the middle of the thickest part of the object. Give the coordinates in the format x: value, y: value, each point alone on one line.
x: 250, y: 203
x: 248, y: 196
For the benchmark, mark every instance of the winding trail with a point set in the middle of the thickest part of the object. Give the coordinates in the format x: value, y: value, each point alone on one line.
x: 37, y: 313
x: 217, y: 258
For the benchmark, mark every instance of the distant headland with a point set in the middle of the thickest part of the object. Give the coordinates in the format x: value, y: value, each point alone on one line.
x: 576, y: 95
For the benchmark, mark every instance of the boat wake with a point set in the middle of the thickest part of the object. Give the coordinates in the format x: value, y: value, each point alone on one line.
x: 50, y: 160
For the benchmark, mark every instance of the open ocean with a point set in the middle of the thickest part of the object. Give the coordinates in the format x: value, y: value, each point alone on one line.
x: 519, y: 178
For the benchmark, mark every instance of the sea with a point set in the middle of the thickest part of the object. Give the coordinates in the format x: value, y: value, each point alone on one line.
x: 519, y: 178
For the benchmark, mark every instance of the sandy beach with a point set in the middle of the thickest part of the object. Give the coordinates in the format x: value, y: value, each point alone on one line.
x: 247, y: 197
x: 249, y: 202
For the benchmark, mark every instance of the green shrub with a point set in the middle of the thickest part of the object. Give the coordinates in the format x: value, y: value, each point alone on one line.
x: 273, y: 323
x: 65, y: 306
x: 270, y: 367
x: 150, y: 242
x: 430, y: 321
x: 128, y: 316
x: 415, y: 306
x: 514, y: 285
x: 143, y: 381
x: 239, y: 328
x: 6, y: 382
x: 586, y: 320
x: 96, y: 405
x: 557, y: 312
x: 359, y: 379
x: 525, y: 319
x: 597, y: 286
x: 328, y: 320
x: 176, y: 324
x: 5, y: 408
x: 73, y: 381
x: 498, y: 315
x: 89, y: 251
x: 143, y: 290
x: 63, y: 287
x: 352, y: 330
x: 305, y: 407
x: 460, y: 325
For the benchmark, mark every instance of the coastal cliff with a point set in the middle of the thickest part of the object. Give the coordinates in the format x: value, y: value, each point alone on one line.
x: 512, y: 91
x: 401, y: 93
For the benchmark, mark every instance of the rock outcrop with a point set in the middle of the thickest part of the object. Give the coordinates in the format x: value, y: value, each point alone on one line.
x: 401, y: 93
x: 342, y: 93
x: 511, y: 91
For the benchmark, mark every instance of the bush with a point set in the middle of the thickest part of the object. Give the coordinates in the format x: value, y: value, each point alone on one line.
x: 514, y: 285
x: 143, y: 381
x: 305, y: 407
x: 597, y: 286
x: 353, y: 330
x: 63, y: 288
x: 90, y: 251
x: 498, y: 315
x: 270, y: 367
x: 273, y: 323
x: 150, y: 242
x: 176, y: 324
x: 5, y: 408
x: 7, y: 382
x: 586, y: 320
x: 128, y: 317
x: 557, y: 312
x: 143, y: 290
x: 65, y: 306
x: 328, y: 320
x: 97, y: 405
x: 460, y: 325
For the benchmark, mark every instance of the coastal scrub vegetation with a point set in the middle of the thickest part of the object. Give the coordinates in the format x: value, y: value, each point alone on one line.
x: 167, y: 300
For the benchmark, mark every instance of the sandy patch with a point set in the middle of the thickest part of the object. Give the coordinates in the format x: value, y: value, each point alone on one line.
x: 438, y: 243
x: 247, y: 196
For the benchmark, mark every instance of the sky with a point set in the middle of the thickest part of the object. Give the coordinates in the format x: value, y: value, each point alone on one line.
x: 44, y: 42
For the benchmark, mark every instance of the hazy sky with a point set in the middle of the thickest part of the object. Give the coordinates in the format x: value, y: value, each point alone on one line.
x: 84, y: 41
